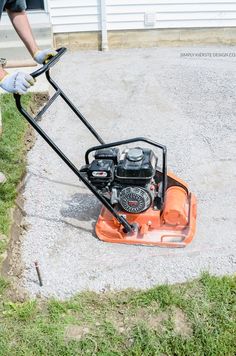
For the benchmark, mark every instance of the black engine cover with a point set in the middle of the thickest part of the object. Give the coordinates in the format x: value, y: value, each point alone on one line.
x: 108, y: 153
x: 136, y: 166
x: 101, y: 172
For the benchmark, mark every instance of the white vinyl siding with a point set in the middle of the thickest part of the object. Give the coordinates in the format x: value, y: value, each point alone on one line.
x: 84, y: 15
x: 75, y: 15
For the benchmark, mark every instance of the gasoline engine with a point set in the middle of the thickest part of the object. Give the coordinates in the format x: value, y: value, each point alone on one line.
x: 128, y: 178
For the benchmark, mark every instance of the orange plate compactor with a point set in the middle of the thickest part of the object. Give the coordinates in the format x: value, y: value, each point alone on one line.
x: 142, y: 203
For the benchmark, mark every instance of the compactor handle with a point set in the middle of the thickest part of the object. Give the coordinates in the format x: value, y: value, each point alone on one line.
x: 51, y: 62
x: 58, y: 92
x: 44, y: 69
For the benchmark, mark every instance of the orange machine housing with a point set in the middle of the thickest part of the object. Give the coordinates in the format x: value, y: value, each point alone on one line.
x: 173, y: 226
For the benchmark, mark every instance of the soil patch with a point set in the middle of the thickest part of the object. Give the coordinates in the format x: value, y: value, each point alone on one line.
x: 75, y: 332
x: 38, y: 101
x: 152, y: 316
x: 182, y: 325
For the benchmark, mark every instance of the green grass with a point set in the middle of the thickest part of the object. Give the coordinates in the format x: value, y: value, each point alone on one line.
x: 197, y: 318
x: 12, y: 160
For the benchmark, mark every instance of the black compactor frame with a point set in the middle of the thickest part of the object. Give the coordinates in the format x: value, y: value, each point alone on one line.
x: 58, y: 92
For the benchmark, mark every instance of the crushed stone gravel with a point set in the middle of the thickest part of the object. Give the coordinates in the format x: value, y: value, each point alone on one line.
x: 186, y: 103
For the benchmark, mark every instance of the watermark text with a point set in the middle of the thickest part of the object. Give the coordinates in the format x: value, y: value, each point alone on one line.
x: 208, y: 54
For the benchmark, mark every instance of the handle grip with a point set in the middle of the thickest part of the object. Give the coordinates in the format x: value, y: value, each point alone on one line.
x: 50, y: 63
x: 44, y: 69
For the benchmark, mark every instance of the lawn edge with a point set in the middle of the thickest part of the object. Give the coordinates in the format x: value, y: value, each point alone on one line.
x: 11, y: 266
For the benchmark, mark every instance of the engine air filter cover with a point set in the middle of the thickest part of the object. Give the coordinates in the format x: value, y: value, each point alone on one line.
x: 135, y: 199
x: 135, y: 154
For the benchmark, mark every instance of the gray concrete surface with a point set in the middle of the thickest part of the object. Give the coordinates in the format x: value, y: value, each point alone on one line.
x: 186, y: 103
x: 12, y: 47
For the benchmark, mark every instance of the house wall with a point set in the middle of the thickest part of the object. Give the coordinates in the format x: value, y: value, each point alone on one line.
x: 75, y: 15
x: 70, y: 16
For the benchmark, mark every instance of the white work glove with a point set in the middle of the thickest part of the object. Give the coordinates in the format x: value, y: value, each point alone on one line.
x: 43, y: 56
x: 17, y: 83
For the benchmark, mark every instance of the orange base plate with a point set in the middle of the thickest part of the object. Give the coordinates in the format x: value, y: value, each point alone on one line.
x: 153, y: 231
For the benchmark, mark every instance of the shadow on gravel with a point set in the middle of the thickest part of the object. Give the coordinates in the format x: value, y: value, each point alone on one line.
x: 40, y: 176
x: 82, y: 207
x: 81, y: 212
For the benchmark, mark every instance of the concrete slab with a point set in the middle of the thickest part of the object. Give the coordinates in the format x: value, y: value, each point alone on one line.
x: 12, y: 47
x: 185, y: 102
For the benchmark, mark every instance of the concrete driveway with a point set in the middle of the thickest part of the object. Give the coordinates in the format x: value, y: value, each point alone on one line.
x: 185, y: 102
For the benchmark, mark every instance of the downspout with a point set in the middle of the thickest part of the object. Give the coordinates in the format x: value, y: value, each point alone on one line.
x: 104, y: 25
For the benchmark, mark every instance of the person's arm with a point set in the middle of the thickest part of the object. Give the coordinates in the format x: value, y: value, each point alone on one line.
x: 20, y: 82
x: 22, y: 27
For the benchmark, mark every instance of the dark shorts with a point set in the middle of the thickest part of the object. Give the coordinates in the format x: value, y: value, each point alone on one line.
x: 13, y: 5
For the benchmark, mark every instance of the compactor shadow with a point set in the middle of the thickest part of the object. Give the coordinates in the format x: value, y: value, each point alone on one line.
x: 57, y: 181
x: 83, y: 208
x: 66, y: 223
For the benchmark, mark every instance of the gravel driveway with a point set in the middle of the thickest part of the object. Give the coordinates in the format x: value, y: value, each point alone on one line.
x: 186, y: 103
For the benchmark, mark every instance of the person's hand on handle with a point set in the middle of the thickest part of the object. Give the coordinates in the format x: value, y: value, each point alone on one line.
x: 43, y: 56
x: 17, y: 83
